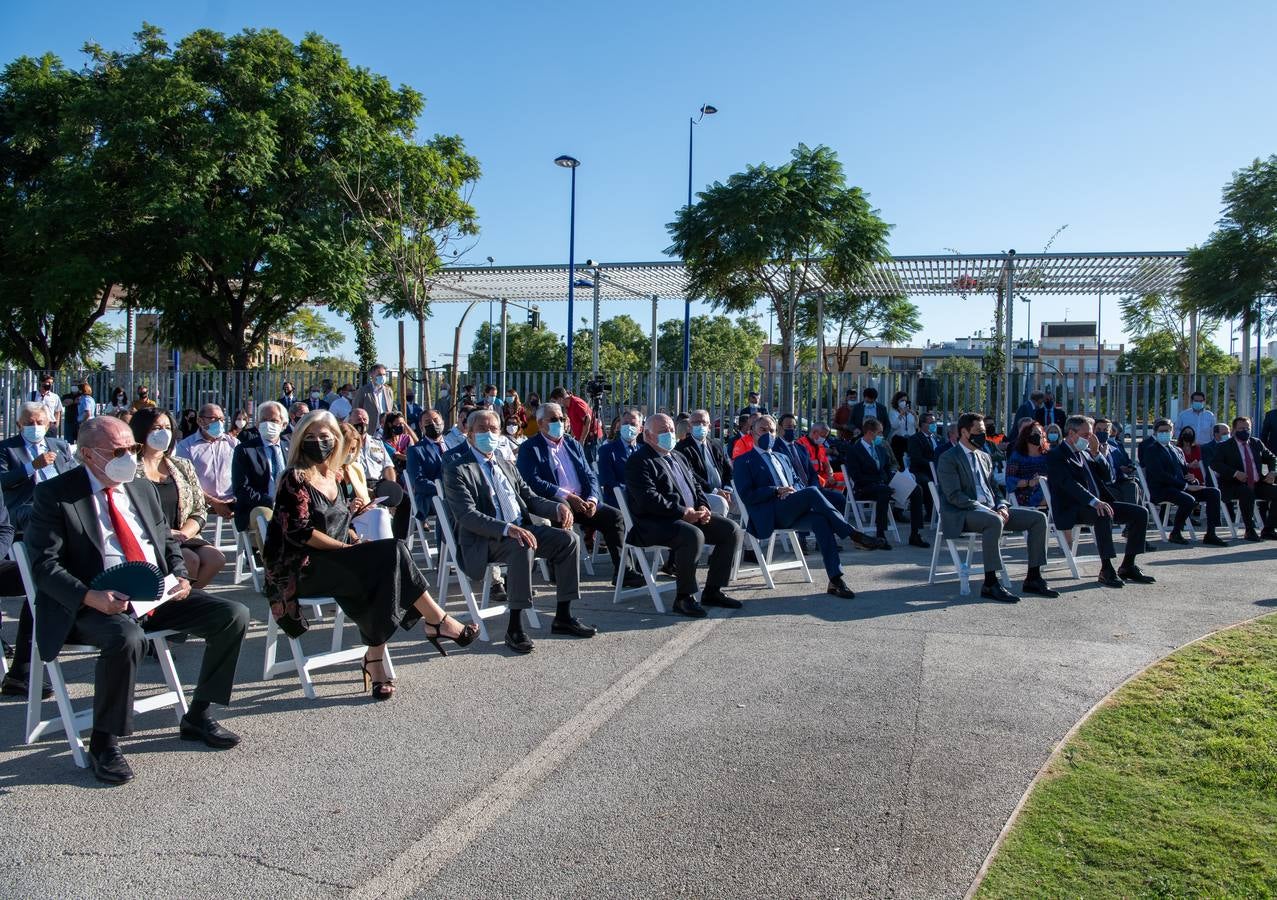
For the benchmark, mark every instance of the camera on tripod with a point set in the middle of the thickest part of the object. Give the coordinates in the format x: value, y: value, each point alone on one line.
x: 596, y: 387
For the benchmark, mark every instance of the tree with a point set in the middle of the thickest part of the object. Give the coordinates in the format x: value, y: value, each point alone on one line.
x: 719, y: 344
x: 73, y: 227
x: 779, y: 233
x: 240, y: 139
x: 1160, y: 352
x: 307, y: 330
x: 854, y: 319
x: 623, y: 344
x: 528, y: 349
x: 1159, y: 323
x: 964, y: 385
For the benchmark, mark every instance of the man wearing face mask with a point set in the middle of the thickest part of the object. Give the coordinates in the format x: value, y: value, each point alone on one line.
x: 872, y: 466
x: 1029, y: 408
x: 425, y: 463
x: 553, y: 465
x: 210, y: 451
x: 771, y: 493
x: 257, y: 464
x: 923, y: 451
x: 670, y: 510
x: 1078, y: 477
x: 1049, y: 414
x: 969, y: 502
x: 491, y: 508
x: 1220, y: 435
x: 1196, y: 417
x: 1124, y: 485
x: 816, y: 443
x: 708, y: 462
x: 1169, y: 481
x: 51, y: 400
x: 29, y: 458
x: 375, y: 398
x: 288, y: 398
x: 341, y: 407
x: 1238, y: 466
x: 144, y: 400
x: 92, y: 519
x: 329, y: 395
x: 616, y: 453
x: 870, y: 408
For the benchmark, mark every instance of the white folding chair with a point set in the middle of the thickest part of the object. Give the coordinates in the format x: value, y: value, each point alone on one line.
x: 417, y: 531
x: 646, y: 559
x: 244, y: 562
x: 73, y: 721
x: 300, y: 661
x: 1070, y: 544
x: 1161, y: 515
x: 1227, y: 514
x: 764, y: 560
x: 961, y: 566
x: 450, y: 565
x: 863, y: 513
x: 217, y: 534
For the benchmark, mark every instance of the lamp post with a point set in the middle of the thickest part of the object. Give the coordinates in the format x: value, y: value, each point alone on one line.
x: 706, y: 110
x: 570, y: 162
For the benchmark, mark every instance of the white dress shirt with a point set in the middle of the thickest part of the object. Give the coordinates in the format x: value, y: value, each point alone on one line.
x: 112, y: 552
x: 977, y: 475
x: 211, y: 461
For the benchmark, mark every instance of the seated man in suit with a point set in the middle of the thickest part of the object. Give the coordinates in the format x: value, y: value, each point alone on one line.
x: 616, y: 453
x: 1220, y: 435
x: 29, y: 458
x: 1077, y: 476
x: 1237, y: 469
x: 491, y: 508
x: 258, y: 462
x: 1124, y: 485
x: 670, y: 510
x: 708, y: 462
x: 553, y: 464
x: 923, y: 449
x: 805, y: 475
x: 93, y: 519
x: 425, y: 463
x: 770, y: 491
x: 970, y: 502
x: 1170, y: 482
x: 872, y: 466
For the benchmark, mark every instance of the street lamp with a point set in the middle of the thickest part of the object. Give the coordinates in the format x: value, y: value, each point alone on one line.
x: 706, y: 110
x: 570, y: 162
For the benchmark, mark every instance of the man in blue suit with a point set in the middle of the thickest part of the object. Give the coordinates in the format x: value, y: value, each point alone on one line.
x: 30, y: 458
x: 616, y: 453
x: 872, y: 466
x: 804, y: 469
x: 425, y: 463
x: 1124, y: 486
x: 258, y: 462
x: 768, y: 487
x: 553, y: 464
x: 1169, y: 482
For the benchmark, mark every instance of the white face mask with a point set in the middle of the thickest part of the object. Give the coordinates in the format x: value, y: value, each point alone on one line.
x: 34, y: 434
x: 120, y: 469
x: 159, y: 440
x: 270, y: 431
x: 512, y: 429
x: 240, y: 423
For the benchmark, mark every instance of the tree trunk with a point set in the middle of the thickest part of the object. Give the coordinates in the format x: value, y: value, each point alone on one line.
x: 788, y: 381
x: 423, y: 361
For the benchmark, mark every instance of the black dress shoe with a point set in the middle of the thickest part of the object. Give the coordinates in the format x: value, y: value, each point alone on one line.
x: 1133, y: 573
x: 997, y: 592
x: 746, y: 556
x: 1109, y: 579
x: 838, y: 588
x: 1214, y: 540
x: 632, y: 580
x: 1177, y: 538
x: 686, y: 605
x: 497, y: 593
x: 864, y: 541
x: 1252, y: 535
x: 668, y: 568
x: 110, y: 766
x: 1268, y: 534
x: 1151, y: 548
x: 715, y: 597
x: 1038, y: 586
x: 572, y: 626
x: 882, y: 542
x: 16, y: 686
x: 915, y: 540
x: 518, y: 642
x: 208, y: 731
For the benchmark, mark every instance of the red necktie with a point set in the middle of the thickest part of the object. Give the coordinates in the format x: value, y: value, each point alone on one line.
x: 123, y: 533
x: 1251, y: 476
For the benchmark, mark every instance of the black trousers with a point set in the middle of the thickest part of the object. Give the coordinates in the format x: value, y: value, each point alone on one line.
x: 1186, y: 501
x: 686, y: 541
x: 122, y: 642
x: 1128, y: 514
x: 607, y: 522
x: 1246, y: 497
x: 881, y: 496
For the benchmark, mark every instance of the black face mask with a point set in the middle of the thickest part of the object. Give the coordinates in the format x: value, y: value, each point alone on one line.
x: 977, y: 440
x: 1035, y: 439
x: 318, y: 449
x: 395, y: 429
x: 432, y: 431
x: 361, y: 428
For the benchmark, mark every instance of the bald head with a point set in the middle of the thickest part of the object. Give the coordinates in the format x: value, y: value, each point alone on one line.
x: 98, y: 440
x: 656, y: 426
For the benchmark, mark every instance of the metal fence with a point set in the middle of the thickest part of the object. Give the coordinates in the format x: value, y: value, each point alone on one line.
x: 1129, y: 399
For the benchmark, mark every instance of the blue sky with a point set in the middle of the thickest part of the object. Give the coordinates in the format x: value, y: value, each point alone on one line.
x: 978, y: 126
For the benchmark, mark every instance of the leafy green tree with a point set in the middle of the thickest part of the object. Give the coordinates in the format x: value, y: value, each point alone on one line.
x: 853, y: 319
x: 307, y: 330
x: 1159, y: 323
x: 623, y: 344
x: 719, y: 344
x: 1160, y: 352
x: 964, y: 385
x: 779, y: 233
x: 528, y: 349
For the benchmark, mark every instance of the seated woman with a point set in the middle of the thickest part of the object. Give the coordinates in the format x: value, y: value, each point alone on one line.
x: 1027, y: 465
x: 512, y: 438
x: 180, y: 494
x: 1192, y: 454
x: 311, y: 550
x: 373, y: 523
x: 398, y: 437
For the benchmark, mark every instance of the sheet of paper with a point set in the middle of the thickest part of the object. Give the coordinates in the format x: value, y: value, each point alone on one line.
x: 144, y: 607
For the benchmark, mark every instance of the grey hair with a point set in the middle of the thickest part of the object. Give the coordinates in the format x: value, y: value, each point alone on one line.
x: 479, y: 414
x: 271, y: 404
x: 1073, y: 423
x: 29, y: 409
x: 544, y: 410
x: 821, y: 425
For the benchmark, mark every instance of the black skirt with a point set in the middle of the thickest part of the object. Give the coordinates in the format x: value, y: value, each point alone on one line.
x: 375, y: 583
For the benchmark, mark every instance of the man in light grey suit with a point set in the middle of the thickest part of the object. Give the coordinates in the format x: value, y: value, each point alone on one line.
x: 969, y: 502
x: 492, y: 508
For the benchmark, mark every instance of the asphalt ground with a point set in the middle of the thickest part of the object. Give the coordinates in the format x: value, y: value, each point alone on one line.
x: 803, y: 746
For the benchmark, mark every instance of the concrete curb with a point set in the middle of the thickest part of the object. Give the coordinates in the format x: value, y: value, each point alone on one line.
x: 1063, y: 742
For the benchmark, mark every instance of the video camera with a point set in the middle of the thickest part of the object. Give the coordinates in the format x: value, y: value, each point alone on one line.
x: 596, y: 387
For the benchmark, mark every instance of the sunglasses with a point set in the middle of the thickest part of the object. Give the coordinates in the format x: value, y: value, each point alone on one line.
x: 117, y: 452
x: 556, y: 419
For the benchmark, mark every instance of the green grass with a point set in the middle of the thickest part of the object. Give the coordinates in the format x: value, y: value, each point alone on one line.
x: 1170, y: 790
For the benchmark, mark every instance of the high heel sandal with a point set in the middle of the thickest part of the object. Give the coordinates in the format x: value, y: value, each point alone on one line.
x: 465, y: 639
x: 381, y: 690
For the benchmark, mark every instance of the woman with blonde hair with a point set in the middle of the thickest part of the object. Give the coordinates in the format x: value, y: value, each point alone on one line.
x: 312, y: 550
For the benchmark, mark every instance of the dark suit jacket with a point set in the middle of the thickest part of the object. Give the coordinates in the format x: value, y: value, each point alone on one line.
x: 1070, y: 490
x: 691, y: 451
x: 857, y: 420
x: 866, y: 472
x: 757, y: 489
x: 612, y: 459
x: 1209, y: 449
x: 1163, y: 471
x: 537, y: 467
x: 250, y: 478
x: 652, y: 495
x: 1227, y: 460
x: 800, y: 461
x: 922, y: 453
x: 65, y: 546
x: 17, y: 484
x: 1052, y: 416
x: 472, y: 507
x: 1267, y: 431
x: 425, y: 467
x: 1119, y: 458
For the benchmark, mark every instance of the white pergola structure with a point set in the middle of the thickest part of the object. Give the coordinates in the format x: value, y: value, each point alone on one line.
x: 1008, y: 275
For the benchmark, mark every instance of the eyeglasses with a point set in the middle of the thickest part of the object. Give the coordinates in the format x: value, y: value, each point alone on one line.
x: 556, y: 419
x: 117, y: 452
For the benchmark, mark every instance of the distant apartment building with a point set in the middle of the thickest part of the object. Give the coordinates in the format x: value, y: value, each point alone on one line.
x: 150, y: 355
x: 1075, y: 347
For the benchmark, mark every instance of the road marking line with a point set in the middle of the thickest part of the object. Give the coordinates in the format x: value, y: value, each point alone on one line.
x: 425, y: 858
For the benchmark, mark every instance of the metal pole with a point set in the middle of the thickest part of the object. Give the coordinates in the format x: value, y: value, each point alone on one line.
x: 651, y: 383
x: 571, y: 265
x: 505, y: 328
x: 1259, y: 363
x: 403, y: 369
x: 594, y: 348
x: 1243, y: 385
x: 1006, y: 408
x: 130, y: 332
x: 820, y: 349
x: 1192, y: 349
x: 490, y: 324
x: 687, y: 301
